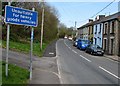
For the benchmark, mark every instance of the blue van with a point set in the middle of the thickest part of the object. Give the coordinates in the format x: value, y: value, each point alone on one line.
x: 83, y: 44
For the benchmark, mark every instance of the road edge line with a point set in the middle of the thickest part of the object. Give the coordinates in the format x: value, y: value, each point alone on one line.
x: 61, y: 82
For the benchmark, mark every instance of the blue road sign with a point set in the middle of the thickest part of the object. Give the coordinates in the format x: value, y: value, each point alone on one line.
x: 19, y: 16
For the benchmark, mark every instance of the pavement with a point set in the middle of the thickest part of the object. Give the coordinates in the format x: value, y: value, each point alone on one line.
x: 45, y: 70
x: 50, y: 51
x: 113, y: 57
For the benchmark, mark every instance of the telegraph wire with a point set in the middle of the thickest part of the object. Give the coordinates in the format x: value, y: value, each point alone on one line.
x: 99, y: 11
x: 103, y: 9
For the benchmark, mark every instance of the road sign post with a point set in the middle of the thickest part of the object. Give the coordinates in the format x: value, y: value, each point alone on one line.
x: 31, y: 44
x: 7, y: 47
x: 19, y: 16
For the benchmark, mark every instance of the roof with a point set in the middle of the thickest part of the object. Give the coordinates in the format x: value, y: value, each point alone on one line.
x: 107, y: 18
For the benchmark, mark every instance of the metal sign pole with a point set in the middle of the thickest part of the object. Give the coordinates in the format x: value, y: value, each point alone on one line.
x: 7, y: 46
x: 32, y: 34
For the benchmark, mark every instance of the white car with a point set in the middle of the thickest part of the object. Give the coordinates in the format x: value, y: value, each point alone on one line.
x: 65, y: 37
x: 70, y: 38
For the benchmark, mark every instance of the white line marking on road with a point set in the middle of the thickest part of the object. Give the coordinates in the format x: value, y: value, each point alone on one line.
x: 74, y: 51
x: 59, y: 73
x: 77, y: 53
x: 69, y: 48
x: 85, y: 58
x: 51, y: 53
x: 50, y: 72
x: 58, y: 66
x: 109, y: 72
x: 67, y: 45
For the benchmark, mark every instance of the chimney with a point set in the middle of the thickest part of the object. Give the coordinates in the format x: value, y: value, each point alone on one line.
x: 90, y: 20
x: 99, y: 17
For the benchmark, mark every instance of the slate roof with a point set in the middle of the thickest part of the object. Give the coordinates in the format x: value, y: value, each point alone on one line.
x: 107, y: 18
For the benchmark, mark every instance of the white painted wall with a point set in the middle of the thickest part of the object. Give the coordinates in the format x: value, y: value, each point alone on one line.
x: 98, y: 35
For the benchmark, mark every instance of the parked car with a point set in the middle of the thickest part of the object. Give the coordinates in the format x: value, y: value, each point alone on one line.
x: 82, y: 44
x: 76, y: 42
x: 70, y: 38
x: 94, y: 49
x: 65, y: 37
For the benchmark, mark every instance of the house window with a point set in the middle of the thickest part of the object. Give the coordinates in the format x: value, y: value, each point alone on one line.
x: 89, y: 30
x: 112, y: 42
x: 95, y: 41
x: 105, y: 29
x: 113, y: 25
x: 105, y: 43
x: 100, y: 29
x: 92, y: 29
x: 95, y: 29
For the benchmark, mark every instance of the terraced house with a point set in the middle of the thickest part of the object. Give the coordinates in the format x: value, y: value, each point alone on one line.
x: 86, y: 31
x: 98, y: 30
x: 104, y: 31
x: 90, y: 30
x: 111, y: 31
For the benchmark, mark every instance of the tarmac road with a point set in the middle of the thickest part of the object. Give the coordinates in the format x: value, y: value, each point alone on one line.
x: 78, y: 67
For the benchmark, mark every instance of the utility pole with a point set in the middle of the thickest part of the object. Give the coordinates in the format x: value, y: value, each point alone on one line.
x: 75, y: 25
x: 76, y: 29
x: 42, y: 25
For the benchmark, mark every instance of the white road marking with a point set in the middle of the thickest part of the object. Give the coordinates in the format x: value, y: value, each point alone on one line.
x: 67, y: 45
x: 109, y: 72
x: 77, y: 53
x: 58, y: 66
x: 59, y: 73
x: 69, y: 48
x: 50, y: 72
x: 51, y: 53
x: 85, y: 58
x: 74, y: 51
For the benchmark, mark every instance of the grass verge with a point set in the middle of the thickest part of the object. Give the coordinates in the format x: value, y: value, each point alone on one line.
x: 16, y: 75
x: 25, y: 47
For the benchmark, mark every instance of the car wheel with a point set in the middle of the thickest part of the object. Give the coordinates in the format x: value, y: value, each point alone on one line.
x: 102, y: 54
x: 80, y: 48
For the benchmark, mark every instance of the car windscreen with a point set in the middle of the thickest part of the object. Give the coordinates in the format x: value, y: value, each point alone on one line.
x: 96, y: 47
x: 84, y: 42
